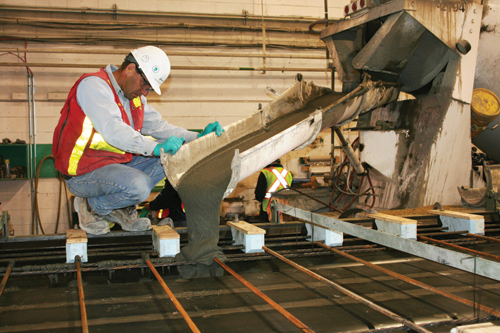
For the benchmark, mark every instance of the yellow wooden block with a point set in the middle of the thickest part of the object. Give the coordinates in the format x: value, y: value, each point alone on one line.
x: 165, y: 232
x: 74, y: 236
x: 246, y: 228
x: 392, y: 218
x: 458, y: 215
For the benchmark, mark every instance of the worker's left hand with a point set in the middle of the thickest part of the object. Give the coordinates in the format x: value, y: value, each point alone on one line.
x: 212, y: 127
x: 172, y: 145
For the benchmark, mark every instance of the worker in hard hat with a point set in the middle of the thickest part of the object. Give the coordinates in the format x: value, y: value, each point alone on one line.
x: 272, y: 178
x: 100, y: 144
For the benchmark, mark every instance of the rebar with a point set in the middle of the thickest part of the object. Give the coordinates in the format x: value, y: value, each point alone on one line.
x: 482, y: 254
x: 259, y: 293
x: 349, y: 293
x: 81, y: 296
x: 6, y: 277
x: 489, y: 239
x: 412, y: 281
x: 174, y: 300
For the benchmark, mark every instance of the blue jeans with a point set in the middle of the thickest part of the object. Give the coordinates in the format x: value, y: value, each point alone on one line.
x: 118, y: 186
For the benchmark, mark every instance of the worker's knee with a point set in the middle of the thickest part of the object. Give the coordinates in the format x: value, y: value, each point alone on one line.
x: 139, y: 189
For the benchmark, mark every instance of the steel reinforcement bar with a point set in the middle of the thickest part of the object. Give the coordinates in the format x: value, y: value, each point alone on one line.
x: 81, y: 296
x: 174, y: 300
x: 259, y: 293
x: 412, y: 281
x: 349, y: 293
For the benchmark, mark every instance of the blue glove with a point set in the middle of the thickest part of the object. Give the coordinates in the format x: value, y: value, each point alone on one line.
x: 213, y: 127
x: 172, y: 145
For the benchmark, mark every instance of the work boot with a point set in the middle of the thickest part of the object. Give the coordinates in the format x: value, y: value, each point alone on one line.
x: 89, y: 221
x: 128, y: 219
x: 166, y: 221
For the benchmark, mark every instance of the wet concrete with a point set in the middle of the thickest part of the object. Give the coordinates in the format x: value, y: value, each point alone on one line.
x: 203, y: 186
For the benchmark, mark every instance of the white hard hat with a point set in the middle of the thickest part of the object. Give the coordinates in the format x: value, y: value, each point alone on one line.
x: 154, y: 63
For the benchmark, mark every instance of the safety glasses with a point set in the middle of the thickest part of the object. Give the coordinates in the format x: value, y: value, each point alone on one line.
x: 145, y: 81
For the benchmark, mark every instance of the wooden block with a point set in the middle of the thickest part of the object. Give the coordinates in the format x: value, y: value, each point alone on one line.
x: 76, y: 245
x: 392, y: 219
x: 395, y: 225
x: 74, y: 236
x: 165, y: 232
x: 246, y: 228
x: 458, y: 215
x: 248, y: 235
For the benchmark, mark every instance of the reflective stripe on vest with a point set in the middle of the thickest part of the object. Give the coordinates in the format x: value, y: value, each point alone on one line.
x: 97, y: 143
x: 162, y: 213
x: 280, y: 180
x: 137, y: 101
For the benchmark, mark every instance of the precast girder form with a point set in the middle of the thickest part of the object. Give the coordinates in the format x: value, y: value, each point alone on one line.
x: 465, y: 262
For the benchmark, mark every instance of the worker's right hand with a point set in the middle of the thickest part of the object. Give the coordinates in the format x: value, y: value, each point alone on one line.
x: 172, y: 145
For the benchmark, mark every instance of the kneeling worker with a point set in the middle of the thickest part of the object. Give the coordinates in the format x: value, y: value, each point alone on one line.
x: 100, y: 144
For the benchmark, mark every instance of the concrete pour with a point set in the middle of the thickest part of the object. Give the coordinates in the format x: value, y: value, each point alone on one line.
x: 202, y: 186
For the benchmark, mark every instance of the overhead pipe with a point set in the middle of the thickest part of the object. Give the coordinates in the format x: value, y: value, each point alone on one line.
x: 99, y: 25
x: 213, y: 68
x: 247, y: 41
x: 115, y: 12
x: 170, y: 53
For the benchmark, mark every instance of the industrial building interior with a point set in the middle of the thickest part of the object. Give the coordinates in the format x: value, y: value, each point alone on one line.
x: 385, y: 112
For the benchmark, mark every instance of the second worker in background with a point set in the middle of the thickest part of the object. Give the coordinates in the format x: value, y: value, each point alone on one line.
x: 272, y: 178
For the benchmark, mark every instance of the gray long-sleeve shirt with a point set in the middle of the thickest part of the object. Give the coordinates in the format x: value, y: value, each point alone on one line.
x: 97, y: 101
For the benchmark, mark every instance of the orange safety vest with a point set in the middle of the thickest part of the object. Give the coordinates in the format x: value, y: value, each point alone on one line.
x: 77, y: 147
x: 277, y: 178
x: 162, y: 213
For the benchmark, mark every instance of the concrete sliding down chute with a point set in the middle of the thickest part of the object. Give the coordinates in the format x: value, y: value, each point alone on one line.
x: 208, y: 169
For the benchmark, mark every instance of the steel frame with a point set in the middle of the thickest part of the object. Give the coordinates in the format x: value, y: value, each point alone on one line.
x: 471, y: 264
